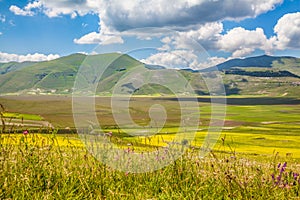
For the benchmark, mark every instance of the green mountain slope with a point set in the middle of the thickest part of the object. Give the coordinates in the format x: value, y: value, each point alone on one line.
x: 263, y: 75
x: 58, y: 75
x: 13, y: 66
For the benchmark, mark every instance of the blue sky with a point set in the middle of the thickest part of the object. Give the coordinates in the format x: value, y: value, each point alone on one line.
x: 180, y: 33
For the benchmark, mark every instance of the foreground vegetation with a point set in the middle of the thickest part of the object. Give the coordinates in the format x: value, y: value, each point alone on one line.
x: 256, y: 157
x: 35, y: 166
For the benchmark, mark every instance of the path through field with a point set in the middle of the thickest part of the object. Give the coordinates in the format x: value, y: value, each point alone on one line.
x: 27, y: 123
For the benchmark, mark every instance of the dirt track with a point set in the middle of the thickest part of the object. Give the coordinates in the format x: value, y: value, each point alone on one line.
x: 27, y: 123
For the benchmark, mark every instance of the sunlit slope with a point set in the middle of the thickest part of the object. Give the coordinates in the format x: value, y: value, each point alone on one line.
x: 262, y: 75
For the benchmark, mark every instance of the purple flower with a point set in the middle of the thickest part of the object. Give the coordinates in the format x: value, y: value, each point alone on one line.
x: 278, y: 166
x: 295, y: 175
x: 284, y: 164
x: 283, y: 167
x: 25, y: 132
x: 273, y: 177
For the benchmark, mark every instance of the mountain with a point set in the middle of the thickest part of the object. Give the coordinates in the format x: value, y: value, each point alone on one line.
x: 263, y: 61
x: 57, y: 76
x: 261, y: 75
x: 13, y: 66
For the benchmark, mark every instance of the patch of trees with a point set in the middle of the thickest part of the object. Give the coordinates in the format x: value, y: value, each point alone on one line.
x: 268, y: 73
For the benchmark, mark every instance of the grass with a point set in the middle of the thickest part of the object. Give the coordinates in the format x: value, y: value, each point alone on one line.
x: 22, y: 116
x: 272, y: 124
x: 242, y: 165
x: 55, y: 169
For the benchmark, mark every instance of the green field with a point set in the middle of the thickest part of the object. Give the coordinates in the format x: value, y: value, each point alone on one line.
x: 272, y: 124
x: 258, y: 134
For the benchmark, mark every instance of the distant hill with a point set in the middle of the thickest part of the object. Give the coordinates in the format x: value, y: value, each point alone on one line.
x: 261, y: 75
x: 264, y: 61
x: 56, y: 76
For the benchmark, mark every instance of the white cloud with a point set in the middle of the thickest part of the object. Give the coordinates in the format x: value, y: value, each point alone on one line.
x: 1, y: 33
x: 206, y: 35
x: 212, y: 61
x: 198, y: 20
x: 56, y: 8
x: 238, y: 41
x: 173, y: 59
x: 18, y: 11
x: 119, y: 16
x: 69, y: 7
x: 264, y: 5
x: 288, y: 31
x: 241, y: 42
x: 183, y: 59
x: 128, y: 14
x: 99, y: 38
x: 6, y: 57
x: 27, y: 10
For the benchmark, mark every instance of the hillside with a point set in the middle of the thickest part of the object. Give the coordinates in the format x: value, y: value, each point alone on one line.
x: 56, y: 76
x: 262, y: 75
x: 263, y: 61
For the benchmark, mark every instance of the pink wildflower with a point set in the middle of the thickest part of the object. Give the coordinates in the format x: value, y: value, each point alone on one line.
x: 109, y: 134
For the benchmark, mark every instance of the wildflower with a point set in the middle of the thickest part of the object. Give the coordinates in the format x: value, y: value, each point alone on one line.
x: 284, y: 164
x: 109, y: 134
x: 127, y: 150
x: 279, y: 165
x: 295, y: 175
x: 273, y: 177
x: 25, y: 132
x: 278, y: 179
x: 283, y: 167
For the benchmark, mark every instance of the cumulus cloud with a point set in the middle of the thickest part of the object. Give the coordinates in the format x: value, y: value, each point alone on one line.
x: 212, y: 61
x: 58, y: 7
x: 238, y: 41
x: 18, y: 11
x: 183, y: 59
x: 207, y: 35
x: 173, y: 59
x: 197, y: 20
x: 70, y: 7
x: 242, y: 42
x: 6, y: 57
x: 27, y: 10
x: 288, y: 31
x: 128, y: 14
x: 99, y: 38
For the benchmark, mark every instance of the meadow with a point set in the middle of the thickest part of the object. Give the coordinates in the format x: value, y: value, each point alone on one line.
x: 256, y: 156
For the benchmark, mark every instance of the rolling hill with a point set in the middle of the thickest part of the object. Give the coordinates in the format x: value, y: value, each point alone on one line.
x: 263, y: 61
x: 261, y: 75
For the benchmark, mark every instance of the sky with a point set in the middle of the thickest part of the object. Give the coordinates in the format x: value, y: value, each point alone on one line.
x: 176, y: 33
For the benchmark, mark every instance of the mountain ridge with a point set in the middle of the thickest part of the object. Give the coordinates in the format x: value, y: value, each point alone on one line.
x: 57, y: 76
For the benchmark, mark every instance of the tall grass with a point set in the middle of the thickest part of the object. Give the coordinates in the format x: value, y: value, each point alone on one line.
x: 34, y: 167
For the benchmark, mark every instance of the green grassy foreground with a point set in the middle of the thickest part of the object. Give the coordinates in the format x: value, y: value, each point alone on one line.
x: 34, y: 166
x: 259, y: 134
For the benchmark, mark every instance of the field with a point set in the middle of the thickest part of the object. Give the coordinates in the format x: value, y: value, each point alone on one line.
x: 259, y: 133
